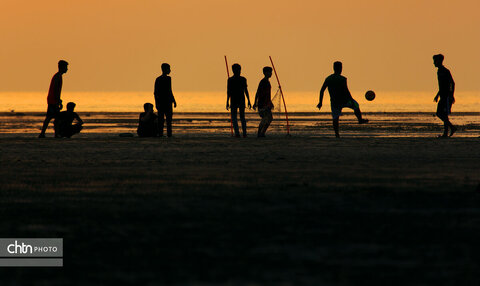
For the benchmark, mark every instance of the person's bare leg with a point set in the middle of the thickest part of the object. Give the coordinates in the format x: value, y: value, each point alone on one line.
x: 452, y: 128
x: 269, y: 119
x: 335, y: 127
x: 358, y: 114
x: 260, y: 127
x: 45, y: 126
x: 445, y: 125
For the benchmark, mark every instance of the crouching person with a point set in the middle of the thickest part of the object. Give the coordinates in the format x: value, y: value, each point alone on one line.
x: 64, y: 126
x: 147, y: 122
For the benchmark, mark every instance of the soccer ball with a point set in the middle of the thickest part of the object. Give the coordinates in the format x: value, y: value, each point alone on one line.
x: 370, y: 95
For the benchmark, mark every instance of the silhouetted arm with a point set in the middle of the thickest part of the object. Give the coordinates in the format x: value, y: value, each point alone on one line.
x: 155, y: 94
x: 348, y: 91
x: 57, y: 82
x: 255, y: 103
x: 322, y: 92
x: 452, y: 88
x: 248, y: 97
x: 228, y: 93
x: 147, y: 116
x: 79, y: 120
x: 247, y: 94
x: 171, y: 92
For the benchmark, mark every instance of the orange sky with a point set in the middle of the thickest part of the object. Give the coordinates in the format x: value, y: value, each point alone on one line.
x: 118, y: 45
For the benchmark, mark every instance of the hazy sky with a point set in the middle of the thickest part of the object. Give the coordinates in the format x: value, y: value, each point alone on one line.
x: 119, y: 45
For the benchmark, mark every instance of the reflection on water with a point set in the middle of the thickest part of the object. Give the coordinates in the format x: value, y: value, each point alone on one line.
x: 215, y: 101
x: 382, y: 124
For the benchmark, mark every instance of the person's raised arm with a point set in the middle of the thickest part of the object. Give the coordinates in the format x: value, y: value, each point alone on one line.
x: 322, y: 92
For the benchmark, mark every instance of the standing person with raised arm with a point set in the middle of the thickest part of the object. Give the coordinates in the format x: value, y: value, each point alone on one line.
x: 446, y: 90
x: 236, y: 91
x: 263, y: 100
x: 340, y: 97
x: 164, y: 99
x: 53, y: 99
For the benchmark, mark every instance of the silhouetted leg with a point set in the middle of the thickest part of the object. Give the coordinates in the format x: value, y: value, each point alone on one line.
x: 443, y: 110
x: 335, y: 127
x: 169, y: 115
x: 155, y: 127
x: 45, y: 125
x: 244, y: 122
x: 233, y: 113
x: 52, y: 112
x: 161, y: 122
x: 268, y: 119
x: 261, y: 125
x: 76, y: 128
x: 452, y: 128
x: 443, y: 115
x: 447, y: 124
x: 358, y: 114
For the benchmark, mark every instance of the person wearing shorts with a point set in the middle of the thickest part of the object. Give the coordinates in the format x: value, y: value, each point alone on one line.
x: 263, y: 100
x: 164, y: 99
x: 53, y: 99
x: 236, y: 92
x: 446, y: 90
x: 340, y: 97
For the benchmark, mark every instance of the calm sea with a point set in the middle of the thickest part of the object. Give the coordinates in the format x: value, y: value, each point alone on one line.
x: 215, y: 101
x: 398, y: 114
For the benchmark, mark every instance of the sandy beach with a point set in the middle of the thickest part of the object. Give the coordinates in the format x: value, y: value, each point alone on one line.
x: 214, y: 210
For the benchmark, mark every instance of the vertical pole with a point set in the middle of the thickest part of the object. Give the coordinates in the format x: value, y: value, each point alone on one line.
x: 228, y: 76
x: 283, y: 98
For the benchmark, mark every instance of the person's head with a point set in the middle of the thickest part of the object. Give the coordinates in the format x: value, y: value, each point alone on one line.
x: 267, y: 71
x: 165, y: 68
x: 438, y: 60
x: 71, y: 106
x: 62, y: 66
x: 337, y: 67
x: 148, y: 107
x: 236, y: 68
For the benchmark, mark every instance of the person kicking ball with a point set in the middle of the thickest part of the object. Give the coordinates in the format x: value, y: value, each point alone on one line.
x: 340, y: 97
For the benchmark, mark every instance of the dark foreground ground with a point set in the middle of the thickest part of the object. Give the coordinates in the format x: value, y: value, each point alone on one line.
x: 220, y: 211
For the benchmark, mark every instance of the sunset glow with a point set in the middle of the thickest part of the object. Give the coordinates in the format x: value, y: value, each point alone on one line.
x: 118, y: 45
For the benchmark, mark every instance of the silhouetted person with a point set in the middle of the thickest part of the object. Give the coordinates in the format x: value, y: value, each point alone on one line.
x: 446, y: 90
x: 340, y: 97
x: 164, y: 99
x: 147, y: 122
x: 263, y: 100
x: 64, y: 126
x: 53, y: 98
x: 236, y: 91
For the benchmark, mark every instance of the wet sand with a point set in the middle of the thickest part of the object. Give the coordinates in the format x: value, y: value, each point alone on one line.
x: 214, y: 210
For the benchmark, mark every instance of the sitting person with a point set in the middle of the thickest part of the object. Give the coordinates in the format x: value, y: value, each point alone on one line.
x: 64, y: 126
x: 147, y: 122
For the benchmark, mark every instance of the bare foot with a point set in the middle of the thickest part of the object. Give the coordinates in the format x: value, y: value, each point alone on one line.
x: 452, y: 130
